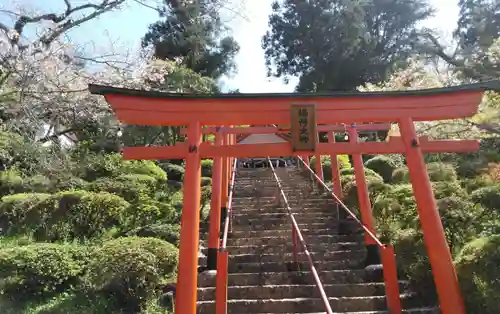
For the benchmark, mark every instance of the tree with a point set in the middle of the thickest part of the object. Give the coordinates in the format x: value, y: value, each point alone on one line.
x: 477, y: 30
x: 191, y: 32
x: 340, y: 44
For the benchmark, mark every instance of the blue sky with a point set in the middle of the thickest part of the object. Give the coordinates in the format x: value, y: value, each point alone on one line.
x: 127, y: 26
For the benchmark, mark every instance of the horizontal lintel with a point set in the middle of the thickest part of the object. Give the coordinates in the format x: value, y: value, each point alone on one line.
x: 271, y: 129
x: 208, y: 150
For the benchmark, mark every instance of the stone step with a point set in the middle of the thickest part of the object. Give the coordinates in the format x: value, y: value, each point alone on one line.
x: 288, y: 257
x: 298, y: 291
x: 278, y: 218
x: 286, y: 225
x: 263, y: 215
x: 280, y: 233
x: 294, y: 305
x: 286, y: 238
x: 271, y: 267
x: 287, y: 278
x: 288, y: 247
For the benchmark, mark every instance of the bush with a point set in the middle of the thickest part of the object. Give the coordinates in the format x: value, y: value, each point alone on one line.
x: 206, y: 181
x: 10, y: 182
x: 489, y: 197
x: 130, y: 269
x: 147, y: 211
x: 174, y: 172
x: 206, y: 167
x: 165, y: 232
x: 80, y: 214
x: 20, y: 212
x: 38, y: 184
x: 146, y: 168
x: 342, y: 160
x: 477, y: 269
x: 99, y: 166
x: 413, y: 263
x: 461, y: 220
x: 444, y: 189
x: 368, y: 173
x: 400, y: 175
x: 41, y: 269
x: 129, y: 186
x: 384, y: 166
x: 70, y: 183
x: 437, y: 172
x: 350, y: 190
x: 441, y: 172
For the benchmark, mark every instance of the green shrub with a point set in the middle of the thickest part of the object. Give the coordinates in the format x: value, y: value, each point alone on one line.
x: 21, y: 213
x: 444, y: 189
x: 147, y: 211
x: 80, y: 214
x: 38, y: 184
x: 396, y: 204
x: 368, y: 173
x: 477, y: 269
x: 130, y: 269
x: 400, y: 175
x: 70, y: 183
x: 41, y: 269
x: 384, y: 166
x: 206, y: 167
x: 206, y: 181
x: 441, y: 172
x: 99, y: 166
x: 129, y: 186
x: 165, y: 232
x: 174, y: 172
x: 144, y: 167
x: 10, y: 182
x: 350, y: 189
x: 462, y: 220
x: 342, y: 160
x: 489, y: 197
x: 437, y: 172
x: 413, y: 263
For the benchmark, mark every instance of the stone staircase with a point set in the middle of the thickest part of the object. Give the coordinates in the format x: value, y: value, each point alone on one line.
x: 262, y: 275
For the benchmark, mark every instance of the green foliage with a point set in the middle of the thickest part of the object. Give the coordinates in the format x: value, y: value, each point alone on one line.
x: 129, y: 186
x: 21, y: 213
x: 206, y: 168
x: 165, y: 232
x: 99, y: 166
x: 41, y: 269
x: 342, y: 160
x: 193, y: 32
x: 366, y: 41
x: 174, y: 172
x: 10, y: 182
x: 477, y: 269
x: 400, y: 175
x: 130, y: 269
x: 368, y: 173
x: 147, y: 211
x: 206, y: 181
x: 441, y: 172
x: 79, y: 214
x: 384, y: 166
x: 144, y: 167
x: 489, y: 197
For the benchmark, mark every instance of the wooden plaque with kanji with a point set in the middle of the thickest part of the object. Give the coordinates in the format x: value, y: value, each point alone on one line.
x: 303, y: 127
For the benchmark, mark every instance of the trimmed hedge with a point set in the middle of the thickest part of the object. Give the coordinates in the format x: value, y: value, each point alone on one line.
x: 477, y: 269
x: 42, y: 269
x: 384, y: 166
x: 130, y: 269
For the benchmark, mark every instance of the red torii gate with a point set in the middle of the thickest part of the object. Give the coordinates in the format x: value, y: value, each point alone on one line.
x: 158, y: 108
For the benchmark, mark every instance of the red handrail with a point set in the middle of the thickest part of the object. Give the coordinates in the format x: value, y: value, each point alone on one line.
x: 296, y: 233
x: 221, y: 281
x: 387, y: 253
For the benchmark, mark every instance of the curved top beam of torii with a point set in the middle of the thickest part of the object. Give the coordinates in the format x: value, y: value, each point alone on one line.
x: 159, y: 108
